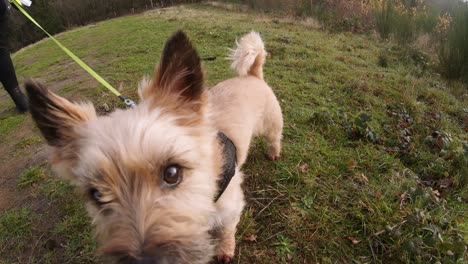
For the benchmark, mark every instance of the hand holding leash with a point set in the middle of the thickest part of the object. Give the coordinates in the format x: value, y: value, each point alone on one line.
x: 26, y: 2
x: 22, y: 2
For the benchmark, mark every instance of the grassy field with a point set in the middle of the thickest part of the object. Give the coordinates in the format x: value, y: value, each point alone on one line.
x: 374, y: 166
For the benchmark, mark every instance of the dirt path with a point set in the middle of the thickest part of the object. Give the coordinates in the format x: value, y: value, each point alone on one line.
x: 16, y: 157
x: 14, y: 160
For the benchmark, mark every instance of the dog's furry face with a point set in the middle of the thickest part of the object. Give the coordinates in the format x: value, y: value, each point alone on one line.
x: 147, y: 173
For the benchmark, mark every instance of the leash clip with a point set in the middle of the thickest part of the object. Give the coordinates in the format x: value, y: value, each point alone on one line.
x: 127, y: 101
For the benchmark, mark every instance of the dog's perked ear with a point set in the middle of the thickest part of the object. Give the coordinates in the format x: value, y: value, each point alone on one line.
x: 56, y: 117
x: 179, y: 73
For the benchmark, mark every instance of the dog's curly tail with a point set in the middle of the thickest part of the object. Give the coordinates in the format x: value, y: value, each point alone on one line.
x: 249, y: 56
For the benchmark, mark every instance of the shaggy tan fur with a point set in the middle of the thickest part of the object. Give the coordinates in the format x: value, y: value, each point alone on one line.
x: 120, y: 161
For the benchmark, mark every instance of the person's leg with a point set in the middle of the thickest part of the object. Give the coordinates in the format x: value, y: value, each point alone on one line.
x: 9, y: 81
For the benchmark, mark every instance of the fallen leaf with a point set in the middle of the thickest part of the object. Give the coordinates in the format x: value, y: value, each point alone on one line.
x: 351, y: 164
x: 380, y: 75
x: 354, y: 240
x: 446, y: 183
x: 342, y: 58
x: 388, y: 100
x: 251, y: 238
x: 378, y: 193
x: 304, y: 168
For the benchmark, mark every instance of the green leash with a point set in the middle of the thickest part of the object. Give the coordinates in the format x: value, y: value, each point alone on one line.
x: 83, y: 65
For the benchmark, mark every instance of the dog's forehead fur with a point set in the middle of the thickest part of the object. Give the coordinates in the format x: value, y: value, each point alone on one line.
x: 140, y: 142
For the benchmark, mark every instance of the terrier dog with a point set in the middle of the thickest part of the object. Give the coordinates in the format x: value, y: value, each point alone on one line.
x: 162, y: 181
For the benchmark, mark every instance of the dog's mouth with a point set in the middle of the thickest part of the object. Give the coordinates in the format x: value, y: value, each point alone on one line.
x: 168, y: 253
x: 147, y: 260
x: 159, y: 259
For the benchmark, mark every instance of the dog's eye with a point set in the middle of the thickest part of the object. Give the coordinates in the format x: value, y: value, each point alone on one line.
x: 96, y: 195
x: 172, y: 174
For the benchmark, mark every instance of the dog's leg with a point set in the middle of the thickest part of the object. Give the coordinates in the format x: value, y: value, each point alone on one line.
x: 273, y: 129
x: 230, y: 207
x: 227, y: 245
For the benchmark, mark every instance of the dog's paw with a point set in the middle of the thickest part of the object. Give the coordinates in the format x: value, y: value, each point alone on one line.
x: 273, y: 157
x: 223, y: 259
x: 273, y: 152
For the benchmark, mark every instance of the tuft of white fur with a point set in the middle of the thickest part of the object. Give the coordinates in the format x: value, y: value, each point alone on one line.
x: 249, y: 56
x: 145, y: 83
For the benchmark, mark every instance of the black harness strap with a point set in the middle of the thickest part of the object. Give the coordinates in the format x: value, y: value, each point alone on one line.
x: 229, y: 166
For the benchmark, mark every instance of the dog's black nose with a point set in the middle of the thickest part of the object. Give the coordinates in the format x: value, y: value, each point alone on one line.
x: 147, y: 260
x: 168, y: 253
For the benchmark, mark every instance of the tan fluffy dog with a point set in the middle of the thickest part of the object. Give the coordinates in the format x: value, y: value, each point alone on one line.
x: 149, y: 174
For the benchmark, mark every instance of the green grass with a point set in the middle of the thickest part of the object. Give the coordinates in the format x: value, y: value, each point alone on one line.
x: 10, y: 123
x: 31, y: 176
x: 367, y: 173
x: 15, y: 224
x: 58, y: 231
x: 75, y: 230
x: 27, y: 142
x: 15, y: 230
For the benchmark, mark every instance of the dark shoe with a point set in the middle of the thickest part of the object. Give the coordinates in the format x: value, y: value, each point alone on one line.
x: 21, y: 101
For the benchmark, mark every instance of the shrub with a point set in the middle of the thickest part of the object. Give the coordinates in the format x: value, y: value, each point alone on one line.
x: 426, y: 21
x: 453, y: 49
x: 351, y: 15
x: 404, y: 28
x: 405, y: 20
x: 384, y: 18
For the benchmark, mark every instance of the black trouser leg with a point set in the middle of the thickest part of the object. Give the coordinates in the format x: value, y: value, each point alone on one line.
x: 9, y: 81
